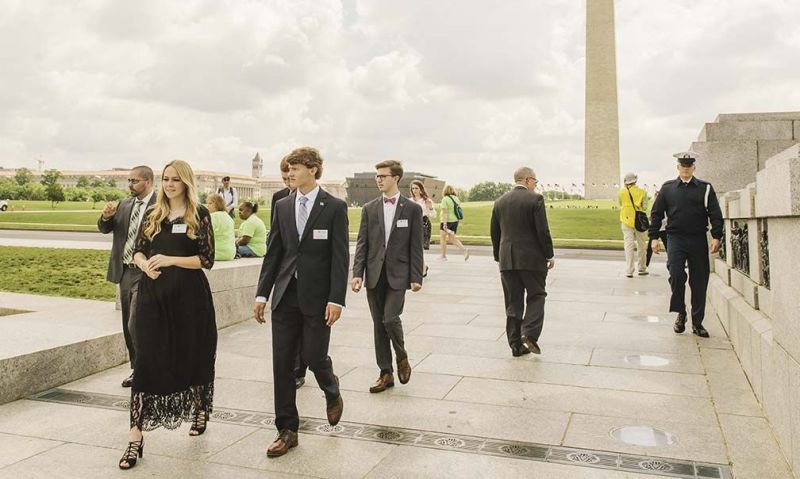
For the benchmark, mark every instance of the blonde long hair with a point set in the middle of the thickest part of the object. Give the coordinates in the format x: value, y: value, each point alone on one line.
x: 160, y: 210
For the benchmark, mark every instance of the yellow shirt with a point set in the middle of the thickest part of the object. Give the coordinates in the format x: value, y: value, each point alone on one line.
x: 627, y: 210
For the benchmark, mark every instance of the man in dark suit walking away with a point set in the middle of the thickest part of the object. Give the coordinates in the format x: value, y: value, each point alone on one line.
x: 389, y: 250
x: 522, y: 245
x: 299, y: 366
x: 305, y: 270
x: 124, y: 220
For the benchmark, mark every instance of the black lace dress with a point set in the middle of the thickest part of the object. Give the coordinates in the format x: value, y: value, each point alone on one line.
x: 175, y: 331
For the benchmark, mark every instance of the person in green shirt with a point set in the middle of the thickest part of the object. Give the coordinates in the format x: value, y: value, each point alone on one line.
x: 252, y: 241
x: 449, y: 224
x: 224, y: 231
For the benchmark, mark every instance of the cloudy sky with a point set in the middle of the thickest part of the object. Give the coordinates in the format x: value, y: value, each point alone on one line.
x: 463, y: 89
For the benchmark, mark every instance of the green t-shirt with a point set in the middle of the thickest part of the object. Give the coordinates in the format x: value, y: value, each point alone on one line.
x: 255, y: 229
x: 224, y: 236
x: 449, y: 202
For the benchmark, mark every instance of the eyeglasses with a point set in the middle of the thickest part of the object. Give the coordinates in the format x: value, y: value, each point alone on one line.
x: 382, y: 177
x: 134, y: 181
x: 532, y: 178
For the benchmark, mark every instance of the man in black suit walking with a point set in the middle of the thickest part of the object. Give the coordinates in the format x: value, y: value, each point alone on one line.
x: 305, y: 269
x: 124, y: 220
x: 522, y: 245
x: 389, y: 249
x: 299, y: 366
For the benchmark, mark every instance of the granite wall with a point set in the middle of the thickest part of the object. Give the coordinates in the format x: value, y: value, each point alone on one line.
x: 754, y: 289
x: 736, y: 146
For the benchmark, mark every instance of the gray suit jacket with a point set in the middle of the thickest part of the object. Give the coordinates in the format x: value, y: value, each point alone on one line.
x: 520, y: 234
x: 402, y: 256
x: 119, y: 225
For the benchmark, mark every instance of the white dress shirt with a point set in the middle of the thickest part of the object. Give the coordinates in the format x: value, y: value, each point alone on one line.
x: 388, y: 216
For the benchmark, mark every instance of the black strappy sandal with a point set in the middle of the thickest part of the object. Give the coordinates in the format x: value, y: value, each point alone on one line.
x: 199, y: 424
x: 135, y: 450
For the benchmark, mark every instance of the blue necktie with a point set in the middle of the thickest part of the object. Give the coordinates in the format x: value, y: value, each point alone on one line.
x: 302, y: 217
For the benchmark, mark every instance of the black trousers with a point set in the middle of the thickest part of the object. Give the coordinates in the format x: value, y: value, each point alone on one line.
x: 426, y: 233
x: 386, y: 306
x: 524, y: 315
x: 292, y: 330
x: 662, y: 235
x: 128, y: 288
x: 691, y: 250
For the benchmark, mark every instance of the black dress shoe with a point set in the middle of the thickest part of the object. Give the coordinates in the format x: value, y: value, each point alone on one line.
x: 519, y: 351
x: 531, y: 345
x: 680, y: 323
x: 700, y: 331
x: 298, y: 382
x: 128, y: 382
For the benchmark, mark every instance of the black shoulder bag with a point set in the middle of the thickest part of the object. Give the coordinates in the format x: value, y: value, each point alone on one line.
x: 640, y: 222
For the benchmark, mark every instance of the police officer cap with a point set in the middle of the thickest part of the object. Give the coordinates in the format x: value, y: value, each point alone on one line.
x: 686, y: 158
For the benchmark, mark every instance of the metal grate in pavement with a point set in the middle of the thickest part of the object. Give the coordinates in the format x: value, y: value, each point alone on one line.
x: 434, y: 440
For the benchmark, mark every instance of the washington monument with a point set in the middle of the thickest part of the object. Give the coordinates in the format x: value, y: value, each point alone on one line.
x: 601, y: 154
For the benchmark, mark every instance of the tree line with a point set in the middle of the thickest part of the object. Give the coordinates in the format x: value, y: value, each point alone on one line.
x: 23, y: 187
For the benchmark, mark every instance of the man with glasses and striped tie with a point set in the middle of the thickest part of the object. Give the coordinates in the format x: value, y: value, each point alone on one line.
x: 304, y: 276
x: 124, y: 220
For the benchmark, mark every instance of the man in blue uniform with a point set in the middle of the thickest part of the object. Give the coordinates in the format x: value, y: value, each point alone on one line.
x: 689, y: 204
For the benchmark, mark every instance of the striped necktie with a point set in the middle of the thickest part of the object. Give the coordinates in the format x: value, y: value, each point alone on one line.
x: 302, y: 216
x: 133, y: 230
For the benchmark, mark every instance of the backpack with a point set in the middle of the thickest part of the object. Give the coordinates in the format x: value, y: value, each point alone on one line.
x: 457, y: 209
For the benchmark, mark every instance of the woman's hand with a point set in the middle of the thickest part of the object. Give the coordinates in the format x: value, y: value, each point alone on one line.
x: 159, y: 261
x: 144, y: 265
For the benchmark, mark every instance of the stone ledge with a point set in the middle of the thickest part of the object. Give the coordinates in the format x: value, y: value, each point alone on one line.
x: 747, y: 130
x: 36, y: 355
x: 779, y: 185
x: 766, y: 116
x: 745, y: 287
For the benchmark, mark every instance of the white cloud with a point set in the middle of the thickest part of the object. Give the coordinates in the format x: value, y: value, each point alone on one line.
x: 466, y: 90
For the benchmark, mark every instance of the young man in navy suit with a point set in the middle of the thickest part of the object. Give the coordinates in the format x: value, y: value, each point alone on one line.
x: 304, y: 276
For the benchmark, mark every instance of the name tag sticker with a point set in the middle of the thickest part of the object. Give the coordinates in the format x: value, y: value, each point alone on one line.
x: 179, y: 228
x: 320, y: 234
x: 402, y: 223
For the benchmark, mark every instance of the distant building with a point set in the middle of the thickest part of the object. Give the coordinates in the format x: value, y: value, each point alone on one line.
x: 361, y: 187
x: 249, y: 187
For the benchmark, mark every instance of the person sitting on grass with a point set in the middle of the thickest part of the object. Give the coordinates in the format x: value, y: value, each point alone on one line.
x: 224, y: 229
x: 252, y: 241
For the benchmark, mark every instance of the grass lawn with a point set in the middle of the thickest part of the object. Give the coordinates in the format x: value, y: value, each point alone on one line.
x: 572, y: 224
x: 78, y: 273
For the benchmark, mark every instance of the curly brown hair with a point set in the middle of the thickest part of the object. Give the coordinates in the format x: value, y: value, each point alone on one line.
x: 308, y: 157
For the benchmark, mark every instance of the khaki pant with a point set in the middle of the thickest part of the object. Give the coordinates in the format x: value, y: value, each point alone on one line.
x: 639, y: 240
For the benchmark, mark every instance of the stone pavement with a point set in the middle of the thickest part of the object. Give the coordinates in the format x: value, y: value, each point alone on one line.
x: 610, y: 360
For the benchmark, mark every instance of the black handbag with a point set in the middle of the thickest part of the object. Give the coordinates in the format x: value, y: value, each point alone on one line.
x: 640, y: 221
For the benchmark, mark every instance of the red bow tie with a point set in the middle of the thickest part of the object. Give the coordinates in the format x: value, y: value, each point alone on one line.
x: 389, y: 200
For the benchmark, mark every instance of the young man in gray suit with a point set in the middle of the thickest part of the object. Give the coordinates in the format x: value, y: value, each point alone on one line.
x: 389, y: 250
x: 124, y: 220
x: 522, y: 245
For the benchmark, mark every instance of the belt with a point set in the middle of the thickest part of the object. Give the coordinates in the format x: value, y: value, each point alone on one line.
x: 130, y: 265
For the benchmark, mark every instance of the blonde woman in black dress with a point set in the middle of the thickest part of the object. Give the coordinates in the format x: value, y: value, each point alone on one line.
x: 175, y: 330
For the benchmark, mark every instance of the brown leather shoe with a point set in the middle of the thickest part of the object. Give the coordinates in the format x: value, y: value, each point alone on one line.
x: 285, y: 440
x: 403, y: 370
x: 384, y: 381
x: 335, y: 408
